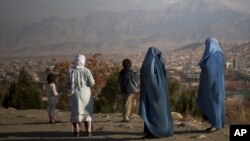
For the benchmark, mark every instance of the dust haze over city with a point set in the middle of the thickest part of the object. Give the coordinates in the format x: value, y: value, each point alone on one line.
x: 42, y: 34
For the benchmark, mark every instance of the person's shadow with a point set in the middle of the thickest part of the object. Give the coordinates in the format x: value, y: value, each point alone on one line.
x: 68, y: 136
x: 191, y: 132
x: 32, y: 123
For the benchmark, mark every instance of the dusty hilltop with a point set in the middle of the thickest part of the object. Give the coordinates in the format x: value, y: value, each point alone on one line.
x: 33, y: 125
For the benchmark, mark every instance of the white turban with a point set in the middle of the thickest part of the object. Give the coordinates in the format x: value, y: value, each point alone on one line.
x: 79, y: 63
x: 80, y: 60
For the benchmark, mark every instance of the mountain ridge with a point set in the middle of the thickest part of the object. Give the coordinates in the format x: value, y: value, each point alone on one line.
x: 107, y: 31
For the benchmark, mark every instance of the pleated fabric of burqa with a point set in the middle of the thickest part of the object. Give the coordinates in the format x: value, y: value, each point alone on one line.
x: 154, y: 100
x: 211, y: 91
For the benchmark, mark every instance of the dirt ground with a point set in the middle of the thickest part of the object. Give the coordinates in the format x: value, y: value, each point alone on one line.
x: 33, y: 125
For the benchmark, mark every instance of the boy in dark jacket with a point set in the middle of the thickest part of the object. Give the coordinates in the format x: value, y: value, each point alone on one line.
x: 128, y: 87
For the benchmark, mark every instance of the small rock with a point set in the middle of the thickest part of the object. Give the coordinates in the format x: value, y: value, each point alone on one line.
x: 11, y: 108
x: 120, y: 125
x: 199, y: 137
x: 135, y: 115
x: 177, y: 123
x: 176, y: 116
x: 181, y: 124
x: 106, y: 116
x: 129, y: 127
x: 101, y: 128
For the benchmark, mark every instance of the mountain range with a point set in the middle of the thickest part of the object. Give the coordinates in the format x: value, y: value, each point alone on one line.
x: 177, y: 25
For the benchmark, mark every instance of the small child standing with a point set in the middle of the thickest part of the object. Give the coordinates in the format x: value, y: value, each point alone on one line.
x: 52, y: 97
x: 128, y: 87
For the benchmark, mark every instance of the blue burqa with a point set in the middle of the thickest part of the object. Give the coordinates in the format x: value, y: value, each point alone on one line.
x: 154, y: 101
x: 211, y: 92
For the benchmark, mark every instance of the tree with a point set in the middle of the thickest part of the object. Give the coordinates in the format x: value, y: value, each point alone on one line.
x: 110, y: 96
x: 186, y: 103
x: 24, y: 93
x: 183, y: 101
x: 174, y: 87
x: 100, y: 69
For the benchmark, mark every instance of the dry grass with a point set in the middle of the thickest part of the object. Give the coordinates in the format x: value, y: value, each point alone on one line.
x: 238, y: 111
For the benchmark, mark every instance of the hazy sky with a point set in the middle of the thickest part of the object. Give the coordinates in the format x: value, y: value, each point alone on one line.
x: 35, y: 10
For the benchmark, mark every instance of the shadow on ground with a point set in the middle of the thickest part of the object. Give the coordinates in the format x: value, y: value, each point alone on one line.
x: 191, y: 132
x: 97, y: 135
x: 67, y: 136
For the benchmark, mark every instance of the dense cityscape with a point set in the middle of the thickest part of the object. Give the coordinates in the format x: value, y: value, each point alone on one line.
x: 181, y: 65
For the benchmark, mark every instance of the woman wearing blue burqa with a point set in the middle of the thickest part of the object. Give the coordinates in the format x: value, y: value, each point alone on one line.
x: 154, y: 101
x: 211, y: 91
